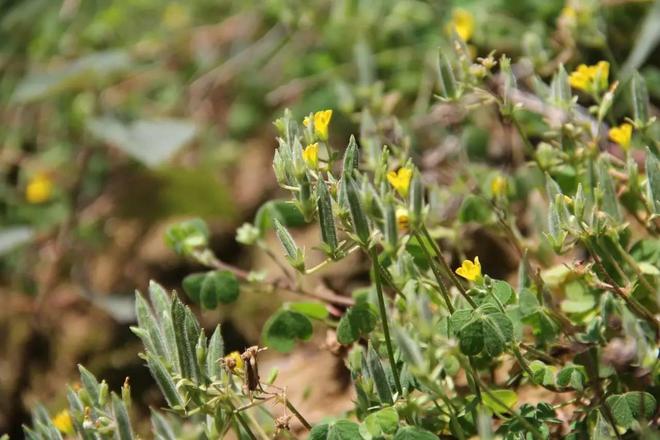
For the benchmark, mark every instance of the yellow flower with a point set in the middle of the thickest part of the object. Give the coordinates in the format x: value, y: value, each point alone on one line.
x: 311, y: 155
x: 402, y: 219
x: 62, y: 421
x: 470, y: 270
x: 321, y: 121
x: 498, y: 186
x: 233, y: 361
x: 591, y: 79
x: 462, y: 22
x: 175, y: 16
x: 39, y: 189
x: 568, y: 13
x: 622, y: 135
x: 400, y: 180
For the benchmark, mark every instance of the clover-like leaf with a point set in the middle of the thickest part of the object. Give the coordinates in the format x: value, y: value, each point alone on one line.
x: 383, y: 422
x: 358, y: 321
x: 475, y: 209
x: 414, y: 433
x: 485, y: 328
x: 500, y: 400
x: 628, y: 407
x: 338, y: 430
x: 284, y: 328
x: 572, y: 376
x: 210, y: 288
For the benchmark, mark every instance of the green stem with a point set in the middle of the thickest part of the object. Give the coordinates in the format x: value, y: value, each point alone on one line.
x: 299, y: 416
x: 446, y: 267
x: 383, y: 319
x: 438, y: 276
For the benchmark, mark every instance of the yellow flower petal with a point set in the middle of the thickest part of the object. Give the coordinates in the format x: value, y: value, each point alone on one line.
x: 622, y: 135
x: 498, y: 186
x: 311, y: 155
x: 62, y: 422
x: 321, y: 122
x: 462, y: 22
x: 470, y: 270
x: 234, y: 361
x: 400, y: 180
x: 39, y: 189
x: 591, y: 79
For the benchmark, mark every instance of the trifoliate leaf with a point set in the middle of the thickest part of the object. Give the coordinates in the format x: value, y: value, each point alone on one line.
x: 284, y: 328
x: 358, y: 321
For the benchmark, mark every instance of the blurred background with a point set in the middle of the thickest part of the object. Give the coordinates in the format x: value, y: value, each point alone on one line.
x: 119, y: 118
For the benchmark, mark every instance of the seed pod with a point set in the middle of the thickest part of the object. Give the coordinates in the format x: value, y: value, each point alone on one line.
x: 640, y: 97
x: 324, y: 204
x: 358, y: 217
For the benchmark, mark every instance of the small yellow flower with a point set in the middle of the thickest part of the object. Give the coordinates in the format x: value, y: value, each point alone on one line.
x: 321, y: 121
x: 311, y: 155
x: 462, y: 22
x: 470, y: 270
x: 402, y: 219
x: 568, y: 12
x: 233, y: 361
x: 591, y: 79
x: 62, y: 422
x: 39, y: 189
x: 498, y: 186
x: 622, y: 135
x: 400, y: 180
x: 175, y: 16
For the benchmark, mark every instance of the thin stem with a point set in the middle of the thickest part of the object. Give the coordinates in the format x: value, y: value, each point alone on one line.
x: 383, y: 318
x: 299, y: 416
x: 446, y: 267
x: 438, y: 276
x: 630, y: 301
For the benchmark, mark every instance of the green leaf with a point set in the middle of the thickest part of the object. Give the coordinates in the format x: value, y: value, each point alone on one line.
x: 164, y: 381
x: 356, y: 322
x: 609, y: 202
x: 124, y: 431
x: 572, y: 376
x: 339, y: 430
x: 652, y: 166
x: 377, y: 373
x: 151, y: 142
x: 628, y: 407
x: 186, y: 350
x: 500, y: 401
x: 210, y: 288
x: 385, y: 421
x: 293, y: 254
x: 326, y: 218
x: 409, y: 348
x: 358, y: 217
x: 486, y: 328
x: 640, y: 98
x: 448, y: 87
x: 216, y: 350
x: 311, y: 309
x: 474, y: 209
x: 414, y: 433
x: 283, y: 329
x: 503, y: 291
x: 187, y: 236
x: 281, y: 210
x: 82, y: 73
x: 90, y: 384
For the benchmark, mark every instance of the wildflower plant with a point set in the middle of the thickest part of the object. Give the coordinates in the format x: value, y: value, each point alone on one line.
x: 436, y: 345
